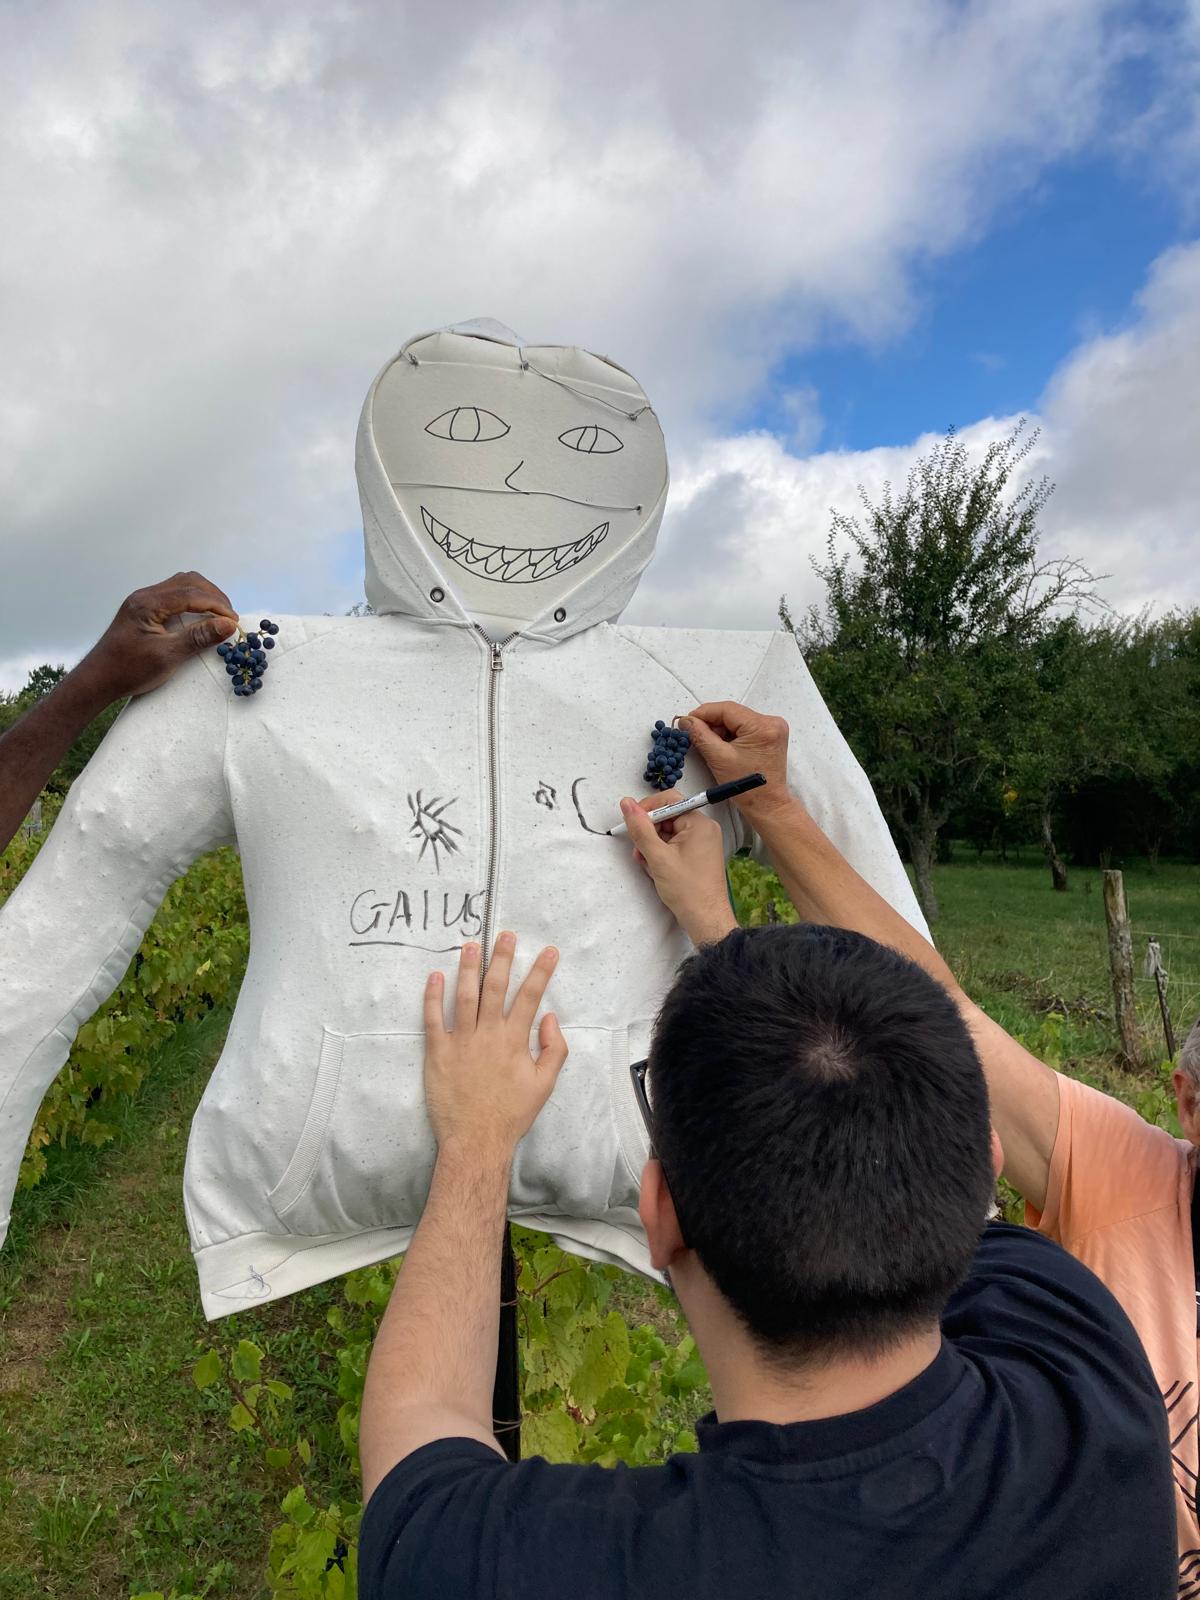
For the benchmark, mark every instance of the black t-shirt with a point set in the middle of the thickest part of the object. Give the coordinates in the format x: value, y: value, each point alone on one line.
x: 1029, y: 1461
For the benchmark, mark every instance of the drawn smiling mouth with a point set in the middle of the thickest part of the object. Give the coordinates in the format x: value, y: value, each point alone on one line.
x: 506, y: 563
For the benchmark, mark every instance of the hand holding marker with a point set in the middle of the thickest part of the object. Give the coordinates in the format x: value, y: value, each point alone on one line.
x: 706, y: 797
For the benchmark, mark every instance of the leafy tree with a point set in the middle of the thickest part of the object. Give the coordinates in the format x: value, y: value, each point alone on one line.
x: 39, y: 683
x: 1078, y: 727
x: 923, y: 649
x: 42, y: 679
x: 1139, y: 789
x: 1116, y: 721
x: 1165, y: 690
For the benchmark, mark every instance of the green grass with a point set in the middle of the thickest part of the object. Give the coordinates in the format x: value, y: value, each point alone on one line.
x: 1028, y: 954
x: 116, y: 1474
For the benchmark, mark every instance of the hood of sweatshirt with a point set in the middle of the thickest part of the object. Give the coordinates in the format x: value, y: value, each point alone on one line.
x: 510, y: 486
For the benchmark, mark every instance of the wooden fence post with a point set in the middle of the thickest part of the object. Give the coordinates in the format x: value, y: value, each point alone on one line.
x: 1155, y: 969
x: 1120, y: 961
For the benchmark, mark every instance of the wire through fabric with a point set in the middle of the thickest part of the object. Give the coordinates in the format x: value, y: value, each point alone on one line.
x: 580, y: 394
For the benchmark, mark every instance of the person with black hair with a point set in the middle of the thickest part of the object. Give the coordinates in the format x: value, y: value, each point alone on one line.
x: 909, y: 1402
x: 841, y: 1202
x: 1115, y: 1190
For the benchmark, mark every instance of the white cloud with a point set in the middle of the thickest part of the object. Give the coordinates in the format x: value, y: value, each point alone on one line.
x: 1118, y: 438
x: 1121, y: 437
x: 746, y: 521
x: 1164, y: 136
x: 220, y: 218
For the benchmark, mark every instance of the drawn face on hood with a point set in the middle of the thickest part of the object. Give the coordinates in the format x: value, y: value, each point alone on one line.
x: 524, y: 473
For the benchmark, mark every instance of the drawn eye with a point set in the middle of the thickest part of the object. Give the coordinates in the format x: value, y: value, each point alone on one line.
x: 467, y: 425
x: 591, y: 441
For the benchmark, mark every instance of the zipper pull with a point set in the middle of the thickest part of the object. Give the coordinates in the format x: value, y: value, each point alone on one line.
x: 497, y: 658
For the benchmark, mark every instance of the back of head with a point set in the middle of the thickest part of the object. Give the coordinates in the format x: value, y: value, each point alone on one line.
x: 1189, y: 1055
x: 822, y: 1121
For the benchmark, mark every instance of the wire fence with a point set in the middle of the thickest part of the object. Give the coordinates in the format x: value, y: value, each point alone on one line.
x: 1180, y: 957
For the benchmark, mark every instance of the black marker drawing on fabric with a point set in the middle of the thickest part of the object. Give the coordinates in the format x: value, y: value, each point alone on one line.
x: 552, y: 494
x: 592, y: 441
x: 467, y: 425
x: 1172, y: 1397
x: 422, y: 911
x: 409, y: 944
x: 546, y: 795
x: 431, y: 827
x: 506, y: 563
x: 583, y: 822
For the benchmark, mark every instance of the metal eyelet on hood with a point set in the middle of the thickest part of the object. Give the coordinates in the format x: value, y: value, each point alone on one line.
x: 560, y: 615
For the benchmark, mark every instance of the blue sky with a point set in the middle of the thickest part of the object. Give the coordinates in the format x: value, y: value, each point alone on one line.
x: 1062, y: 263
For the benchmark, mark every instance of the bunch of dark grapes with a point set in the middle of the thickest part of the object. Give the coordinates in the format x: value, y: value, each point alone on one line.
x: 246, y: 657
x: 664, y: 763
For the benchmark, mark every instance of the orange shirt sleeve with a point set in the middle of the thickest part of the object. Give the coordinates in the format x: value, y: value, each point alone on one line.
x: 1108, y: 1166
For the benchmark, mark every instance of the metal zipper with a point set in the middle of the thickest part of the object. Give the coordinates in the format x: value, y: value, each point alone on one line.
x: 506, y: 1392
x: 489, y: 896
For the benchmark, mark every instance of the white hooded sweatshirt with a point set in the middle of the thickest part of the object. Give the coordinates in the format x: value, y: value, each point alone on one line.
x: 405, y: 782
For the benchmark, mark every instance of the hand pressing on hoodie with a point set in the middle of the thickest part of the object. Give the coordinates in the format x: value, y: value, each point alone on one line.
x: 434, y: 1360
x: 139, y: 650
x: 483, y: 1086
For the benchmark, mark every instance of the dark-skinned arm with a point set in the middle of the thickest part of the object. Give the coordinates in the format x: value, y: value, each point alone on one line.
x: 137, y: 652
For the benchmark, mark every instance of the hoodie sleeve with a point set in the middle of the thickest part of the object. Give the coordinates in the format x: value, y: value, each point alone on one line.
x: 150, y: 801
x: 824, y: 772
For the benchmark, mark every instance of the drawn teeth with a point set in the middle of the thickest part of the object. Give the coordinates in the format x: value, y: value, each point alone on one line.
x: 519, y: 564
x: 511, y: 563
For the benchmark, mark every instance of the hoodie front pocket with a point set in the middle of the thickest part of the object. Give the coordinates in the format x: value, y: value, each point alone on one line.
x: 364, y: 1158
x: 583, y: 1156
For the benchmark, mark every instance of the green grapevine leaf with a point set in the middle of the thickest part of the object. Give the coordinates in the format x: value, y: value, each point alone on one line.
x: 296, y: 1508
x: 247, y: 1362
x: 605, y: 1357
x: 691, y: 1375
x: 552, y: 1434
x: 207, y: 1370
x: 314, y: 1548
